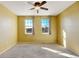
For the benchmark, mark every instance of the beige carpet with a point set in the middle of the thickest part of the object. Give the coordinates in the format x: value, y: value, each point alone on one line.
x: 37, y: 51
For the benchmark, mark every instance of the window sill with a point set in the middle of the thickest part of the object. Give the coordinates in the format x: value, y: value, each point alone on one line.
x: 46, y: 33
x: 28, y: 33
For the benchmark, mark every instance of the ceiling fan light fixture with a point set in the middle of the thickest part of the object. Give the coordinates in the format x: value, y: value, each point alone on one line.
x: 37, y: 7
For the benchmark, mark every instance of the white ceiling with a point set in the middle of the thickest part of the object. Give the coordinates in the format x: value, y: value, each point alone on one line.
x: 21, y: 8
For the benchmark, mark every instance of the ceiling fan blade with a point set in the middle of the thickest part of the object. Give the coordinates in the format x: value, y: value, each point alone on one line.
x: 42, y: 3
x: 43, y: 8
x: 30, y: 3
x: 32, y: 8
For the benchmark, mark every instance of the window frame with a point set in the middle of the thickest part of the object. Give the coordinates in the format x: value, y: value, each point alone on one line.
x: 48, y: 26
x: 26, y: 33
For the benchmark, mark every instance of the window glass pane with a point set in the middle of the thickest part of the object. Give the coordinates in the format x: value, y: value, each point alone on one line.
x: 45, y: 22
x: 28, y: 23
x: 28, y: 30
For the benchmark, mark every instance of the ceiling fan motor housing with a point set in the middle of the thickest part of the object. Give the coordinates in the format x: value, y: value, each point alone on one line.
x: 37, y: 4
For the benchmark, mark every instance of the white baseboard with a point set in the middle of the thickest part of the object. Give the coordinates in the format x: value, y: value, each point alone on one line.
x: 7, y: 49
x: 75, y: 52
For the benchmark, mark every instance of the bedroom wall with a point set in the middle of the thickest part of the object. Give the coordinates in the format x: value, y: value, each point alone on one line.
x: 37, y: 37
x: 68, y: 28
x: 8, y: 29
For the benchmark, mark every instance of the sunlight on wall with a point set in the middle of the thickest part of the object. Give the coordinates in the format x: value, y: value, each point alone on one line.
x: 58, y: 52
x: 64, y: 39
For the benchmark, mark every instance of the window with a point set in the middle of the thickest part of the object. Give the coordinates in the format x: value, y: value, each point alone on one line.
x: 45, y: 25
x: 28, y: 26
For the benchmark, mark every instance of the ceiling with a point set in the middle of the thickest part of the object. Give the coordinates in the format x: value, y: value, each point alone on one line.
x: 21, y: 8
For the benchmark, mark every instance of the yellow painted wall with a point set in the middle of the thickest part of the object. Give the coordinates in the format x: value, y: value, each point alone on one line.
x: 69, y: 27
x: 8, y: 29
x: 38, y: 37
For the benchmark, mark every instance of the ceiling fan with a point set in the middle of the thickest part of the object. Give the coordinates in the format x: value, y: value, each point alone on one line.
x: 38, y: 5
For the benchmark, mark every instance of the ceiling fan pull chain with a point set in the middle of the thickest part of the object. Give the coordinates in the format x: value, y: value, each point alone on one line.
x: 37, y: 11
